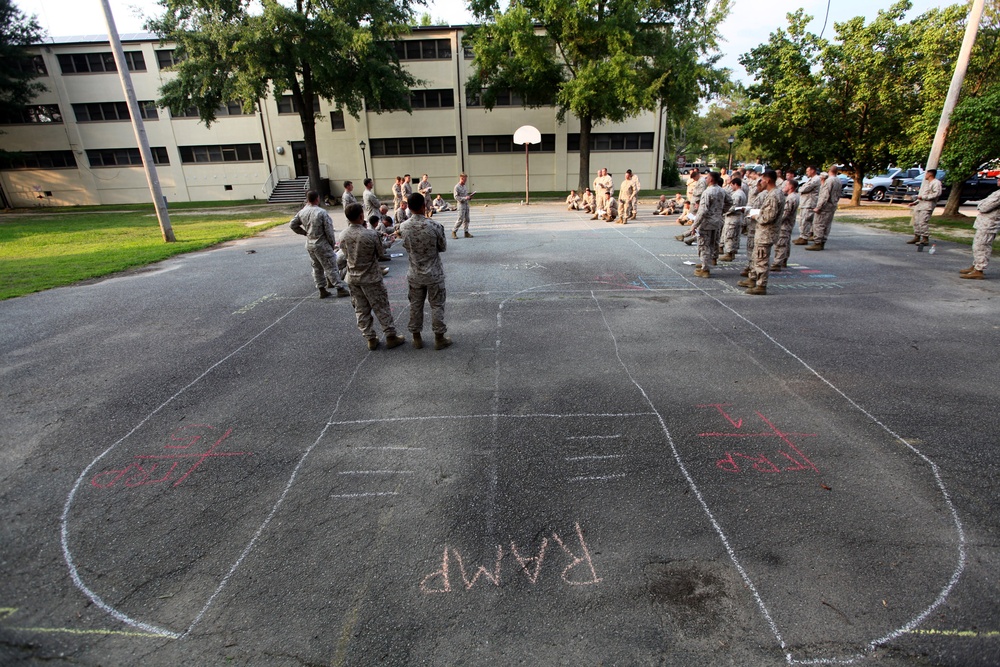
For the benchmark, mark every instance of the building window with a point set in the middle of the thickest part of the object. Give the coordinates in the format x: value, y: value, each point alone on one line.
x: 31, y: 65
x: 423, y: 49
x: 287, y: 104
x: 504, y: 143
x: 337, y: 121
x: 509, y: 98
x: 613, y: 141
x: 35, y: 113
x: 223, y: 153
x: 39, y: 160
x: 413, y: 146
x: 167, y: 58
x: 228, y: 109
x: 467, y: 51
x: 437, y: 98
x: 103, y: 111
x: 125, y: 157
x: 78, y: 63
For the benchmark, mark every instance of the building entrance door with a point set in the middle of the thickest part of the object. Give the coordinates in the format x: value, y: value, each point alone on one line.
x: 299, y: 158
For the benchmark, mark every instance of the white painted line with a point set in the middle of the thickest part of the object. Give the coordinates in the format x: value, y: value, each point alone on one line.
x: 365, y: 495
x: 375, y: 472
x: 492, y: 416
x: 404, y: 449
x: 595, y: 458
x: 593, y: 437
x: 595, y: 478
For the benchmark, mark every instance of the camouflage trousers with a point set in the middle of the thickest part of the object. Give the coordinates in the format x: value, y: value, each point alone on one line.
x: 731, y: 236
x: 751, y: 231
x: 435, y: 296
x: 463, y: 216
x: 821, y: 225
x: 366, y: 299
x: 708, y: 247
x: 781, y: 246
x: 626, y: 207
x: 982, y: 248
x: 806, y: 217
x: 921, y: 218
x: 761, y: 267
x: 324, y: 265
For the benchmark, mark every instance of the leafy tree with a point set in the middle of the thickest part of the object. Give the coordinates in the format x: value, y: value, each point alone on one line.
x: 18, y: 85
x: 338, y: 50
x: 601, y: 62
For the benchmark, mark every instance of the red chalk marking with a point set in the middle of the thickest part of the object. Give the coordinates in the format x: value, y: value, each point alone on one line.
x: 191, y: 439
x: 718, y: 406
x: 788, y: 442
x: 753, y: 435
x: 760, y: 460
x: 143, y: 475
x: 728, y: 463
x: 445, y: 586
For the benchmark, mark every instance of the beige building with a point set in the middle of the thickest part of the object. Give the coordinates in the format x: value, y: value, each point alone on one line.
x: 78, y: 148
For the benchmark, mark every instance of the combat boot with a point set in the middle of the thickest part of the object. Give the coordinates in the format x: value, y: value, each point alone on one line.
x: 757, y: 291
x: 691, y: 240
x: 745, y: 273
x: 728, y: 257
x: 373, y: 343
x: 454, y: 235
x: 974, y: 274
x: 816, y: 245
x: 746, y: 283
x: 468, y: 235
x: 393, y: 341
x: 341, y: 292
x: 323, y: 293
x: 701, y: 273
x: 914, y: 240
x: 441, y: 341
x: 924, y: 240
x: 776, y: 267
x: 968, y: 270
x: 680, y: 237
x: 801, y: 241
x: 418, y: 341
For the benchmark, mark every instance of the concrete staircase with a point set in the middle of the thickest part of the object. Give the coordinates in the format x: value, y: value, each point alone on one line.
x: 292, y: 191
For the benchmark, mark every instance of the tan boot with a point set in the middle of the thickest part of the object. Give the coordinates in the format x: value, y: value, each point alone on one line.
x: 924, y: 240
x: 468, y: 235
x: 341, y: 292
x: 817, y: 245
x: 914, y: 240
x: 393, y: 341
x: 728, y: 257
x: 746, y: 283
x: 701, y: 273
x: 418, y: 342
x: 454, y: 235
x: 757, y: 291
x: 801, y: 241
x: 680, y: 237
x: 441, y: 341
x: 323, y: 293
x: 968, y: 270
x: 373, y: 343
x: 974, y: 274
x: 776, y: 267
x: 745, y: 273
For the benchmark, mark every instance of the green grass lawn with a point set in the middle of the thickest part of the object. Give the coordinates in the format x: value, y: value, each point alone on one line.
x: 54, y: 248
x: 958, y: 229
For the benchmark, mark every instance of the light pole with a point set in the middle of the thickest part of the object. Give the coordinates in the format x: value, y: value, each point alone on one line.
x: 363, y: 159
x: 731, y: 140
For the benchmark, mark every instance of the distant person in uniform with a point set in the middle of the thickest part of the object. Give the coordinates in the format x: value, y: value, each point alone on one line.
x: 315, y: 224
x: 808, y: 192
x: 826, y: 206
x: 923, y: 207
x: 732, y: 225
x: 987, y: 225
x: 765, y: 234
x: 363, y: 249
x: 440, y: 204
x: 348, y: 197
x: 371, y: 202
x: 424, y: 242
x: 573, y: 201
x: 462, y: 197
x: 786, y: 224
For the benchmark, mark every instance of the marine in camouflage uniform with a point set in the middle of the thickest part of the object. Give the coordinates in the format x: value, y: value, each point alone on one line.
x: 348, y: 197
x: 987, y: 225
x: 397, y: 192
x: 424, y: 242
x: 362, y: 250
x: 372, y: 204
x: 826, y: 205
x: 462, y: 197
x: 786, y: 224
x: 808, y: 192
x: 732, y: 225
x: 708, y: 222
x: 756, y: 200
x: 315, y: 224
x: 627, y: 197
x: 923, y: 207
x: 765, y: 234
x: 604, y: 187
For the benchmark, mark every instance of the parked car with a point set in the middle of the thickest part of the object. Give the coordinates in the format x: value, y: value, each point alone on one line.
x: 686, y: 169
x: 876, y: 188
x: 989, y: 169
x: 973, y: 189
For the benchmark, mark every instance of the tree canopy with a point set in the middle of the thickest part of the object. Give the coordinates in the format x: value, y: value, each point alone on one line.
x: 601, y: 62
x: 18, y: 82
x: 241, y: 50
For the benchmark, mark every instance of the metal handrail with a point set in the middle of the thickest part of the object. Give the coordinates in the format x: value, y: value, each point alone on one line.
x: 270, y: 183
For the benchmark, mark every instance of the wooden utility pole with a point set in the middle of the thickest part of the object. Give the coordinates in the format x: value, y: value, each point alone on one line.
x: 961, y: 66
x: 138, y: 126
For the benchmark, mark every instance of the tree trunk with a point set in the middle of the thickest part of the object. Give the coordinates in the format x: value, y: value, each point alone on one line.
x: 586, y: 123
x: 954, y: 200
x: 312, y: 152
x: 858, y: 176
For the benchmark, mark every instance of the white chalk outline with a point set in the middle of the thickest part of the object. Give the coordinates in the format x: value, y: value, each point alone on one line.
x: 595, y: 478
x: 962, y: 555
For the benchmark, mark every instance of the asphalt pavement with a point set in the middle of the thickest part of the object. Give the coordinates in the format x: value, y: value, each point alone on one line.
x: 616, y: 463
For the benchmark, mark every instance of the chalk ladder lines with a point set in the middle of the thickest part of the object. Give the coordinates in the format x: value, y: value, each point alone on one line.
x: 959, y: 530
x: 594, y: 463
